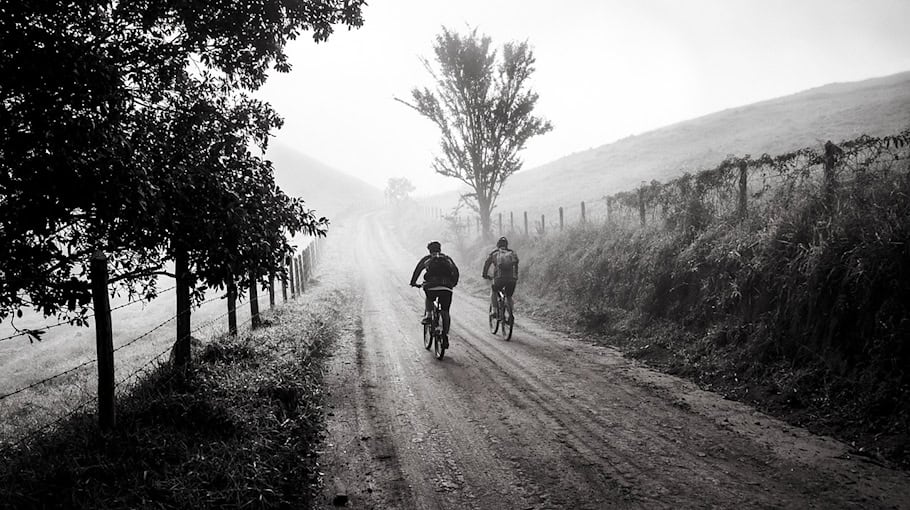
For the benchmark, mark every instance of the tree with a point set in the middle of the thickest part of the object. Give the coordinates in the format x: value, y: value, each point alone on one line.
x: 483, y: 107
x: 398, y: 189
x: 81, y: 83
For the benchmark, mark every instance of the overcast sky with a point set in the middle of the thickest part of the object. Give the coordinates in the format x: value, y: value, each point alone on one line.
x: 606, y: 69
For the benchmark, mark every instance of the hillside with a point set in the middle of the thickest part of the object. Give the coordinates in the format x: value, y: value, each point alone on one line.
x: 835, y: 112
x: 330, y: 192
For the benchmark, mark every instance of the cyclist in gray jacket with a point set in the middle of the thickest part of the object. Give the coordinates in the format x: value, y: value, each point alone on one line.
x: 505, y: 271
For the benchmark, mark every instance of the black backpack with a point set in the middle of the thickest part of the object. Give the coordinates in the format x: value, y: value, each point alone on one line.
x: 439, y: 270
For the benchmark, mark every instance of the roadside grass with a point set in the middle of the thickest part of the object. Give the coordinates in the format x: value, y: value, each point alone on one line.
x: 23, y: 363
x: 239, y: 431
x: 801, y: 312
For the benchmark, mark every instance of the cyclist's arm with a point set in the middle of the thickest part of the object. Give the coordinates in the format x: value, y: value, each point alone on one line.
x: 454, y: 273
x: 486, y: 265
x: 418, y: 269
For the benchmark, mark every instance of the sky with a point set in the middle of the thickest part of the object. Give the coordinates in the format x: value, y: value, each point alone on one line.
x: 605, y: 70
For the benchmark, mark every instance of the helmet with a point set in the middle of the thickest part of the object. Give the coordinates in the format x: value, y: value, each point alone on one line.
x: 434, y: 246
x: 502, y: 243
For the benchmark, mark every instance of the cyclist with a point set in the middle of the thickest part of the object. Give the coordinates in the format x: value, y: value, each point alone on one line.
x: 440, y: 278
x: 505, y: 271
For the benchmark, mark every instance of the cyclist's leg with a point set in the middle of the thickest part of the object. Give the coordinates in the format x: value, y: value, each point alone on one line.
x: 445, y: 301
x: 493, y: 295
x: 427, y: 305
x: 508, y: 288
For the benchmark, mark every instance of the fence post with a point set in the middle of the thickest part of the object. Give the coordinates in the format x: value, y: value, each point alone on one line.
x: 543, y: 225
x: 255, y: 321
x: 583, y: 212
x: 284, y: 288
x: 831, y: 153
x: 478, y: 225
x: 743, y: 176
x: 500, y: 224
x: 641, y: 205
x: 232, y: 307
x: 511, y: 222
x: 609, y: 210
x: 526, y: 224
x: 104, y: 341
x: 271, y: 291
x: 560, y: 219
x: 292, y: 276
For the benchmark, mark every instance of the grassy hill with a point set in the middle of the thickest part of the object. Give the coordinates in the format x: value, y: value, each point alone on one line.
x: 330, y: 192
x: 837, y: 111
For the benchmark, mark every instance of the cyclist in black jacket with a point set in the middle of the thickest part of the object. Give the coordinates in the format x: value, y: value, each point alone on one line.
x: 440, y: 278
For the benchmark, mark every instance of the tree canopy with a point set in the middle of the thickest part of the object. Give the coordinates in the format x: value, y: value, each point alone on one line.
x: 483, y: 106
x: 398, y: 189
x: 125, y: 128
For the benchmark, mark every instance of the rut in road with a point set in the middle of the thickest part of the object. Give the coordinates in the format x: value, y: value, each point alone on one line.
x: 546, y: 421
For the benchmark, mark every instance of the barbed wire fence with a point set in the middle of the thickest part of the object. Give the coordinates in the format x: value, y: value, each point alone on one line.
x: 300, y: 268
x: 735, y: 189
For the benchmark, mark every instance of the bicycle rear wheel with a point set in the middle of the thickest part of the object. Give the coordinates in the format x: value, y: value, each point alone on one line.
x: 508, y: 320
x: 438, y: 348
x: 494, y: 320
x: 427, y: 336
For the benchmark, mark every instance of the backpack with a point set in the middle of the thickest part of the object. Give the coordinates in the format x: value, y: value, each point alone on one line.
x: 504, y: 260
x: 439, y: 269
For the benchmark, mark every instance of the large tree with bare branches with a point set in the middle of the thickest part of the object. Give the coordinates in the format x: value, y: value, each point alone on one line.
x: 483, y: 106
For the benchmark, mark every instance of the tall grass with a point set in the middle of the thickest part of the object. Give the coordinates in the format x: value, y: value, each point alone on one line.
x: 808, y: 294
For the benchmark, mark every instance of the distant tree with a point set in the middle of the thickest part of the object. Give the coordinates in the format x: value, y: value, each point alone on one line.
x: 398, y: 189
x: 483, y: 107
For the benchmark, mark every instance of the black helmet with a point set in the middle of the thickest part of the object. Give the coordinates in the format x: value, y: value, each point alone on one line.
x: 502, y: 243
x: 434, y: 246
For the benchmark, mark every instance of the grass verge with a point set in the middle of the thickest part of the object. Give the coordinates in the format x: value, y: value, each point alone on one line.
x: 240, y: 431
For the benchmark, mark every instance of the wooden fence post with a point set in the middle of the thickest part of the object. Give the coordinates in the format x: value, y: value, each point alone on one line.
x: 526, y: 224
x: 292, y: 276
x: 543, y: 225
x: 560, y: 219
x: 284, y: 288
x: 271, y: 291
x: 831, y: 153
x: 583, y: 212
x: 500, y: 224
x: 232, y: 307
x: 641, y: 205
x: 478, y: 225
x: 743, y: 176
x: 104, y: 341
x: 255, y: 321
x: 511, y: 222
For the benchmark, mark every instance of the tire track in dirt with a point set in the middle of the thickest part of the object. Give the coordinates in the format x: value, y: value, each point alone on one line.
x: 546, y: 421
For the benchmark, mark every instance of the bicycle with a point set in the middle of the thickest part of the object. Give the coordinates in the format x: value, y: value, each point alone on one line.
x: 432, y: 332
x: 501, y: 319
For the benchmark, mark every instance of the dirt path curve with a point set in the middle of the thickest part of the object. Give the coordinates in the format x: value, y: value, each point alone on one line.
x: 546, y: 421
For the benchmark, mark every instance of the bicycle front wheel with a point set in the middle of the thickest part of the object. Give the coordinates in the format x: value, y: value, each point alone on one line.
x: 508, y: 320
x: 494, y: 319
x: 427, y: 336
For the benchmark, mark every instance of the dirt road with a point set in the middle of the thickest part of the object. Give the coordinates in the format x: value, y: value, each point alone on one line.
x: 546, y: 421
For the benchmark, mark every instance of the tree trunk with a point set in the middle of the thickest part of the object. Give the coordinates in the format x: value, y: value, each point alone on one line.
x: 483, y: 209
x: 107, y: 413
x: 255, y: 321
x: 232, y: 307
x: 182, y: 270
